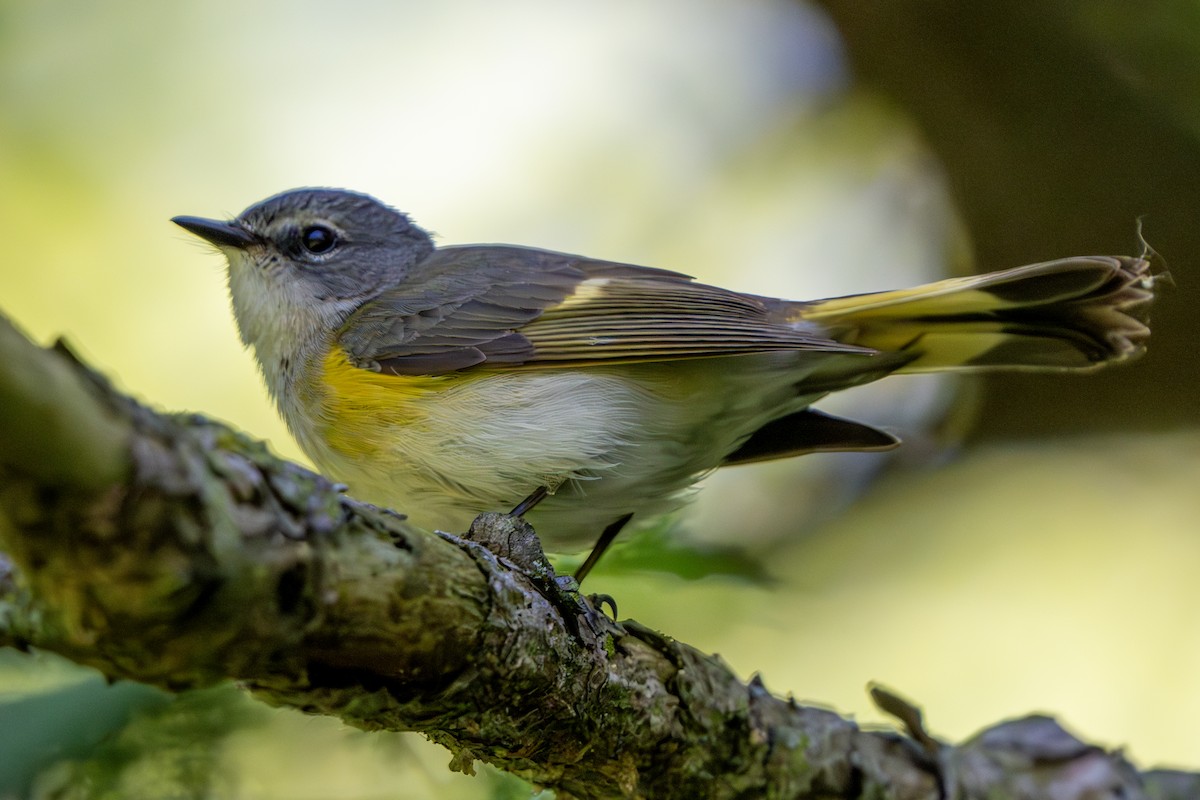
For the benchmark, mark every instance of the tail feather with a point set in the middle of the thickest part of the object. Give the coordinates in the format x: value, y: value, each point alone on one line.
x: 1074, y: 313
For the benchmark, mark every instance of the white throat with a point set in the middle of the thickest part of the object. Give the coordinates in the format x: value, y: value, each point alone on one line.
x: 281, y: 320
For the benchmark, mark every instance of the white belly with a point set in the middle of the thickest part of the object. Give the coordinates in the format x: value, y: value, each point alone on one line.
x: 606, y: 441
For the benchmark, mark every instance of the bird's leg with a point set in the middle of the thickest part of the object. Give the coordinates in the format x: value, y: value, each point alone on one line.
x: 606, y: 539
x: 602, y: 544
x: 525, y: 506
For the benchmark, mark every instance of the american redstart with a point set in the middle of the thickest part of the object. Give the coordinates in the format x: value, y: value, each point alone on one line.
x: 445, y: 381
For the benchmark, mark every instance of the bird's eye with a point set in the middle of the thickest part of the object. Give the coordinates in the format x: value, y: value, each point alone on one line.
x: 318, y: 239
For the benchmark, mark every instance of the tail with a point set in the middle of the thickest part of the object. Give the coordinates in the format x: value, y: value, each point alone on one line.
x: 1075, y: 313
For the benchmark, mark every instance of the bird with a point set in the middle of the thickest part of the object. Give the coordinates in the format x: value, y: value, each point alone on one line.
x: 444, y: 381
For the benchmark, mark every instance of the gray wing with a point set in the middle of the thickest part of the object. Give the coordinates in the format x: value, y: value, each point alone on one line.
x: 493, y: 305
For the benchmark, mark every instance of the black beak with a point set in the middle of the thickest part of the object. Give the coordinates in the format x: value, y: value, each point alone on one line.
x: 220, y: 233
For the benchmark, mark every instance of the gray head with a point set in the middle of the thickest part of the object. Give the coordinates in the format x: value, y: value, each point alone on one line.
x: 301, y: 260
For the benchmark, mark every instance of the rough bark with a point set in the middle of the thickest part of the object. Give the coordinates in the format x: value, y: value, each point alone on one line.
x: 174, y: 551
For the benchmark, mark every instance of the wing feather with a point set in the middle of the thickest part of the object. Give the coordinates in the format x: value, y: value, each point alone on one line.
x: 486, y: 305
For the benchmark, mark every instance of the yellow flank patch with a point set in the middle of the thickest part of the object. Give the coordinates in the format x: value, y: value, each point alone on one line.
x: 362, y: 411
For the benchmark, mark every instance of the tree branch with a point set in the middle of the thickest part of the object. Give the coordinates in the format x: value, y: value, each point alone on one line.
x: 173, y: 551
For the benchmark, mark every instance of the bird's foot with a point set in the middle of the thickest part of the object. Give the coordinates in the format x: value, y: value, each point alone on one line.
x: 514, y: 542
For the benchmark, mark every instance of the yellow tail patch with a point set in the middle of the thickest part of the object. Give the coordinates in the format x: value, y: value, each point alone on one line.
x: 1074, y: 313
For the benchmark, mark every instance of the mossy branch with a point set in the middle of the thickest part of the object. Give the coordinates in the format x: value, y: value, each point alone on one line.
x: 174, y: 551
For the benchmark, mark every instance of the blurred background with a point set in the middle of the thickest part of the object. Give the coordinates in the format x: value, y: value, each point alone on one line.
x: 1034, y: 547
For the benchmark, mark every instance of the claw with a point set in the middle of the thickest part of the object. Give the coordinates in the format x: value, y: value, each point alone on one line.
x: 602, y: 600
